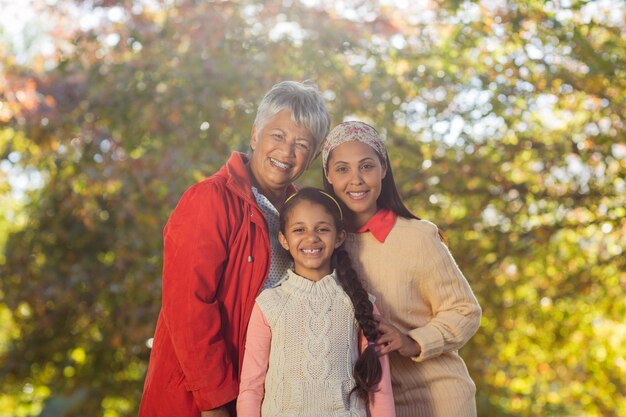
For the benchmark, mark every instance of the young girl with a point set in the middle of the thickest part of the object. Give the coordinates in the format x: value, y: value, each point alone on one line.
x: 428, y: 308
x: 302, y: 350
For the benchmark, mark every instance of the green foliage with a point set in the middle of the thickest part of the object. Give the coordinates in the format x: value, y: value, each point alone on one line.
x: 505, y: 125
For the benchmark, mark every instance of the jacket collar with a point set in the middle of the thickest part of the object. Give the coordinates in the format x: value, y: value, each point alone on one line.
x: 237, y: 178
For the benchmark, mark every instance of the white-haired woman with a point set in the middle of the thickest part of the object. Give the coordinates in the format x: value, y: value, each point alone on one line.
x: 220, y: 250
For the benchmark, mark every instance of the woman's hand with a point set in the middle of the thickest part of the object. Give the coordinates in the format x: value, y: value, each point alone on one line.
x: 216, y: 412
x: 391, y: 340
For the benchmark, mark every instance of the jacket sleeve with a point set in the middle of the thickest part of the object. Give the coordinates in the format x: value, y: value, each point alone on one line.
x: 255, y: 363
x: 381, y: 403
x: 195, y: 252
x: 456, y: 313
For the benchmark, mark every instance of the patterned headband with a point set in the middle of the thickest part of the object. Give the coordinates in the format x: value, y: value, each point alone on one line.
x: 352, y: 131
x: 327, y: 195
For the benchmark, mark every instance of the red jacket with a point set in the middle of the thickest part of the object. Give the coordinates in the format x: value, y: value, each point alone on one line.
x: 215, y: 260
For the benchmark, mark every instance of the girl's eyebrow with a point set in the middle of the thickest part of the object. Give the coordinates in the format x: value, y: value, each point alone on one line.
x: 325, y: 224
x: 302, y: 222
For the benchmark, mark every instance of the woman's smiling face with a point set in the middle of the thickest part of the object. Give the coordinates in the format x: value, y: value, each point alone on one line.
x: 281, y: 151
x: 356, y: 173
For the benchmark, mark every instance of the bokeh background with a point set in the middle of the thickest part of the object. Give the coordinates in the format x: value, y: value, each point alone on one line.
x: 505, y: 124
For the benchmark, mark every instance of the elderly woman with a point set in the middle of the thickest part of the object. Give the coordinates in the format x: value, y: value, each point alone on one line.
x: 220, y: 251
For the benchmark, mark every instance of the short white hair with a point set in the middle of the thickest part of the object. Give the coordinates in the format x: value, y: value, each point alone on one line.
x: 307, y: 107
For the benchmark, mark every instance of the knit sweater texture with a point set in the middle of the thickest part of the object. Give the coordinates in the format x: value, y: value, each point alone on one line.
x: 420, y: 289
x: 314, y: 345
x: 313, y: 331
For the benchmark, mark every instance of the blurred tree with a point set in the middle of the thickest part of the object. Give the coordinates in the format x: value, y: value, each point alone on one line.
x: 505, y: 123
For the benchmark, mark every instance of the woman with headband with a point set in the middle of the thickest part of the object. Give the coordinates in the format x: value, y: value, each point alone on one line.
x: 428, y: 310
x: 302, y: 349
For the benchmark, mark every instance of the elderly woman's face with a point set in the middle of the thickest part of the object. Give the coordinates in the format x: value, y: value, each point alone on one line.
x: 281, y: 151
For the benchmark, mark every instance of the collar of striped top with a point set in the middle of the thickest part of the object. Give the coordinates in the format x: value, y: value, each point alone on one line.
x: 380, y: 224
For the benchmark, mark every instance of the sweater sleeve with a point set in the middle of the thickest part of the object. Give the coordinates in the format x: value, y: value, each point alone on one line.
x: 455, y: 310
x: 195, y: 252
x: 381, y: 403
x: 255, y: 364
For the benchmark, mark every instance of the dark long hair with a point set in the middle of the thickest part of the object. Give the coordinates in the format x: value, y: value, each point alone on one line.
x: 367, y: 368
x: 389, y: 197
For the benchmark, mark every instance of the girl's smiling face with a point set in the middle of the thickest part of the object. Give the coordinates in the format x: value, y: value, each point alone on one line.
x: 311, y: 237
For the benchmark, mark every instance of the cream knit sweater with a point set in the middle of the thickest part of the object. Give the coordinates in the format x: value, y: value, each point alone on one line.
x: 301, y: 363
x: 313, y: 349
x: 419, y: 288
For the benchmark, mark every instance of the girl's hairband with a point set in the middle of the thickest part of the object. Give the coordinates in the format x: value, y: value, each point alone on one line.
x: 327, y: 195
x: 334, y: 201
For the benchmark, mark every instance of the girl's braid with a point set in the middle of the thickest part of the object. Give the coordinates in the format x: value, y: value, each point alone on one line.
x: 367, y: 369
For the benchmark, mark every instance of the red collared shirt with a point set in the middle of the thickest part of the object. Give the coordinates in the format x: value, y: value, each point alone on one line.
x: 380, y: 224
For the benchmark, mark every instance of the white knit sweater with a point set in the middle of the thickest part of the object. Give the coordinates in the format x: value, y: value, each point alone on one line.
x: 313, y: 350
